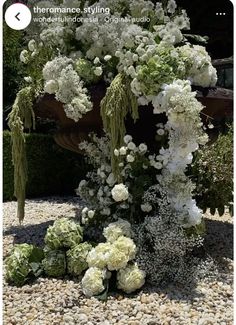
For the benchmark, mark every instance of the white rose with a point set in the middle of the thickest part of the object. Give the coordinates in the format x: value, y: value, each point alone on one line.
x: 160, y: 132
x: 107, y: 57
x: 131, y: 146
x: 28, y: 79
x: 127, y: 138
x: 158, y: 165
x: 123, y: 151
x: 130, y: 158
x: 24, y: 56
x: 142, y: 147
x: 111, y: 179
x: 98, y: 71
x: 120, y: 192
x: 91, y: 192
x: 96, y: 60
x: 91, y: 214
x: 116, y: 152
x: 32, y: 45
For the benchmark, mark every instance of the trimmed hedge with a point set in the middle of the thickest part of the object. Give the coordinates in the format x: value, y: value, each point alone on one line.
x: 51, y: 169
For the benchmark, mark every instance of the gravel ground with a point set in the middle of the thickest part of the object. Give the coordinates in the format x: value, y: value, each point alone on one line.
x: 60, y: 301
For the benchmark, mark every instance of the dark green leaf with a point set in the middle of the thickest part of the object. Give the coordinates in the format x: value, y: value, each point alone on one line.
x: 37, y: 255
x: 221, y: 210
x: 212, y: 210
x: 104, y: 294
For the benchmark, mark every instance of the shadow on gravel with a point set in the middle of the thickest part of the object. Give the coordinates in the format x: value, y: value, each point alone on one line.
x: 57, y: 199
x: 219, y: 239
x: 30, y: 234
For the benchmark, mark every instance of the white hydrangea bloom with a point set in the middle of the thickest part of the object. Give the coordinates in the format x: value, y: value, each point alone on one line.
x: 130, y: 278
x: 52, y: 69
x: 51, y: 86
x: 92, y: 282
x: 200, y: 72
x: 99, y: 255
x: 117, y: 229
x: 126, y: 245
x: 120, y: 192
x: 117, y: 259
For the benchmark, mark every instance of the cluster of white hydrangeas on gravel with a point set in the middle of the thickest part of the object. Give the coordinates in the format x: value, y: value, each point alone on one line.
x: 117, y: 254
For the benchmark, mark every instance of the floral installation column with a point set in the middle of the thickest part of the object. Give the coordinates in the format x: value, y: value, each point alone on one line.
x: 139, y: 208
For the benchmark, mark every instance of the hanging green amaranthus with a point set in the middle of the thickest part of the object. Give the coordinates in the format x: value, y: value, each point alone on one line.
x: 20, y: 117
x: 117, y: 103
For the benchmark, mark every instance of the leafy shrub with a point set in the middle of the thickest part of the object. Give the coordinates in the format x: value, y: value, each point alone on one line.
x: 212, y: 171
x: 51, y: 169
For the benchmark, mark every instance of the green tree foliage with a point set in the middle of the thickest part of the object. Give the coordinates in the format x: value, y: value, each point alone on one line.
x: 12, y: 67
x: 52, y: 170
x: 213, y: 174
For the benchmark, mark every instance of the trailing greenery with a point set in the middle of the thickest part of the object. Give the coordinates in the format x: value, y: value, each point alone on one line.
x: 117, y: 103
x: 51, y: 169
x: 21, y: 115
x: 213, y: 173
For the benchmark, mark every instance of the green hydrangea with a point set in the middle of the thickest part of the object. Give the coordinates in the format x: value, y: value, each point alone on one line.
x: 76, y: 258
x: 63, y: 233
x: 160, y: 69
x: 54, y: 263
x: 85, y: 70
x: 24, y: 261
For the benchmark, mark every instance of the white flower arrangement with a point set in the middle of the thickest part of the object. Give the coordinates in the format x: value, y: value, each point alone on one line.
x: 161, y: 67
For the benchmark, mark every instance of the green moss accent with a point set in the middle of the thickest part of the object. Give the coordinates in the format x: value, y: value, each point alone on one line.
x: 22, y: 115
x: 117, y: 103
